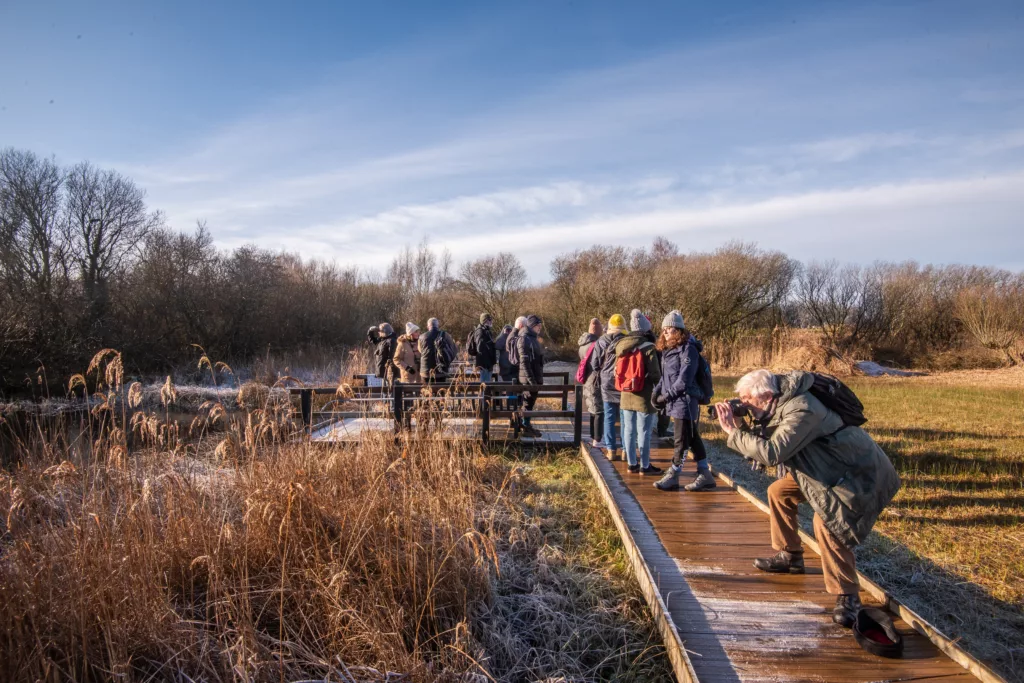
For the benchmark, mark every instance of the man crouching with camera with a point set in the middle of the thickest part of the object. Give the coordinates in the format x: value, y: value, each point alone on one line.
x: 838, y: 469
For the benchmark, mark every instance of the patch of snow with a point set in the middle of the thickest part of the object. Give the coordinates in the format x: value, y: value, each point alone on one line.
x: 873, y: 369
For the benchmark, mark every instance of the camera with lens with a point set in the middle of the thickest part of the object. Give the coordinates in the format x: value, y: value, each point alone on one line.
x: 738, y: 407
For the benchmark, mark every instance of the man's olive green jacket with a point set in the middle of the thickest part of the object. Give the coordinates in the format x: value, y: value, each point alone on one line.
x: 845, y: 476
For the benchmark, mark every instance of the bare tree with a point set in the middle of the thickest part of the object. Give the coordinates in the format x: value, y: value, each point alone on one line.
x: 495, y: 284
x: 106, y: 220
x: 994, y: 315
x: 33, y: 249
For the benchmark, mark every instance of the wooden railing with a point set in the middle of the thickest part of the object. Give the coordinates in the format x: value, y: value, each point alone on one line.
x: 486, y: 402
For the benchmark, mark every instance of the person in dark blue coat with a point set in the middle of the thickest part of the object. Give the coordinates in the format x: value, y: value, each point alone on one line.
x: 677, y: 391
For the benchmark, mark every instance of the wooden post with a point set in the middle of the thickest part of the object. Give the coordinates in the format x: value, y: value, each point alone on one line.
x: 577, y: 422
x: 485, y: 409
x: 306, y: 408
x: 398, y: 406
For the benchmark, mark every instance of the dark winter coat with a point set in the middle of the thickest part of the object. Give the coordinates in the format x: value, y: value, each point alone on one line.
x: 383, y: 352
x: 602, y: 361
x: 430, y: 365
x: 480, y: 346
x: 510, y: 343
x: 505, y: 369
x: 678, y: 384
x: 531, y: 358
x: 845, y: 476
x: 641, y: 402
x: 592, y: 386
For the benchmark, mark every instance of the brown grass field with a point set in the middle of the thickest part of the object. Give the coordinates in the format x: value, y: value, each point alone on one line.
x: 952, y: 543
x: 132, y: 550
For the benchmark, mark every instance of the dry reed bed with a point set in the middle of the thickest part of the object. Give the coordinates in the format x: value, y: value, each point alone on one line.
x: 249, y: 557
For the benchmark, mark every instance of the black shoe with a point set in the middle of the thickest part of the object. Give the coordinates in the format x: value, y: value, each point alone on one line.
x: 531, y: 431
x: 845, y: 611
x: 781, y: 563
x: 634, y: 468
x: 651, y: 469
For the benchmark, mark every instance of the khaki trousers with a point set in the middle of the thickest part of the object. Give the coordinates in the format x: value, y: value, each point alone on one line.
x: 837, y: 561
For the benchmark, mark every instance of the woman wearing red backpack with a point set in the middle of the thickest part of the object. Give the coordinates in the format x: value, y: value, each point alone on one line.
x: 637, y: 372
x: 676, y: 390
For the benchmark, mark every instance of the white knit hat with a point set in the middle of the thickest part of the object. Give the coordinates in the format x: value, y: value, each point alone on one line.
x: 411, y: 327
x: 674, y: 319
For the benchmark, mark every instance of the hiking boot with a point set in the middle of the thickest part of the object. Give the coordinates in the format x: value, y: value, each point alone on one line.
x: 634, y: 469
x: 531, y: 431
x: 670, y: 482
x: 845, y: 611
x: 651, y: 469
x: 703, y: 482
x: 612, y: 454
x: 781, y: 563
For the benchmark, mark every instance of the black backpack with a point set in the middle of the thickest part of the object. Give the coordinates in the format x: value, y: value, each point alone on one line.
x: 838, y: 398
x: 446, y: 351
x: 704, y: 381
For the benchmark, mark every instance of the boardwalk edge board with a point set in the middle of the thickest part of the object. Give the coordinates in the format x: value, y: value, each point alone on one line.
x: 670, y: 634
x: 948, y: 646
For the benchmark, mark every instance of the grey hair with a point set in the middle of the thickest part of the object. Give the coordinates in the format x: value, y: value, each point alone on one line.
x: 433, y: 324
x: 758, y: 383
x: 520, y: 321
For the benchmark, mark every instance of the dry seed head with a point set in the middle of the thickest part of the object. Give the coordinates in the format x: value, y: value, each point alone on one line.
x: 168, y: 394
x: 76, y: 381
x: 135, y: 395
x: 222, y: 367
x: 94, y: 364
x: 115, y: 371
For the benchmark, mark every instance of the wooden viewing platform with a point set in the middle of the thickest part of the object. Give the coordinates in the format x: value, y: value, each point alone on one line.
x: 723, y: 620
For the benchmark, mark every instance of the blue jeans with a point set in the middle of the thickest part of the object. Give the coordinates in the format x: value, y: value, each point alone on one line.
x: 485, y: 375
x: 611, y: 417
x: 637, y: 428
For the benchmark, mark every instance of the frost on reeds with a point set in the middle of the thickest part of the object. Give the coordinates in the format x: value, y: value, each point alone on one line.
x: 133, y: 550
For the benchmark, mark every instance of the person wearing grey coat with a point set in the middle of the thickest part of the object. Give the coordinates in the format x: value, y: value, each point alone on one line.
x: 592, y: 385
x: 838, y: 469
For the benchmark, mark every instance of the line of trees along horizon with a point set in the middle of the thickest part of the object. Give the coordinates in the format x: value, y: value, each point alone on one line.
x: 85, y: 264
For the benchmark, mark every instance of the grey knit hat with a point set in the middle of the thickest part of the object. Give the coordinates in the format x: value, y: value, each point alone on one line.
x: 411, y: 327
x: 386, y: 329
x: 532, y: 320
x: 674, y: 319
x: 638, y: 322
x: 484, y: 317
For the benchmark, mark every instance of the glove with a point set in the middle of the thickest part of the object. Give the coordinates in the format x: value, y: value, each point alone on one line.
x: 659, y: 402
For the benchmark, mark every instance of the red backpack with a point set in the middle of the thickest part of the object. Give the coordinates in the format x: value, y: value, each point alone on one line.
x: 630, y: 370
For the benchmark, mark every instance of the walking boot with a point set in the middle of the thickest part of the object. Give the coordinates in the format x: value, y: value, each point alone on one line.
x: 612, y: 454
x: 670, y: 482
x: 845, y: 611
x: 651, y: 470
x: 703, y: 482
x: 782, y: 563
x: 531, y: 431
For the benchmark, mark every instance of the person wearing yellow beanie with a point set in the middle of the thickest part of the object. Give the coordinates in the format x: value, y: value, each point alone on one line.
x: 602, y: 362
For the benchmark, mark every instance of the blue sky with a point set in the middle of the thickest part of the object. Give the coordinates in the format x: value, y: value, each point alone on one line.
x: 855, y: 131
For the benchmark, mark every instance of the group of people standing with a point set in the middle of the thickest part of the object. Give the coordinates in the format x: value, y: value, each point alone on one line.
x: 669, y: 363
x: 427, y: 357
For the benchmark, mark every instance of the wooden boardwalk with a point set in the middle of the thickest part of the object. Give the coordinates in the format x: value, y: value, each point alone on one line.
x: 738, y: 624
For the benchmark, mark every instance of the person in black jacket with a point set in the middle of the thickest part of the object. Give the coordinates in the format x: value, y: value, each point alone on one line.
x: 531, y: 365
x: 480, y: 346
x: 505, y: 370
x: 437, y: 351
x: 383, y: 340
